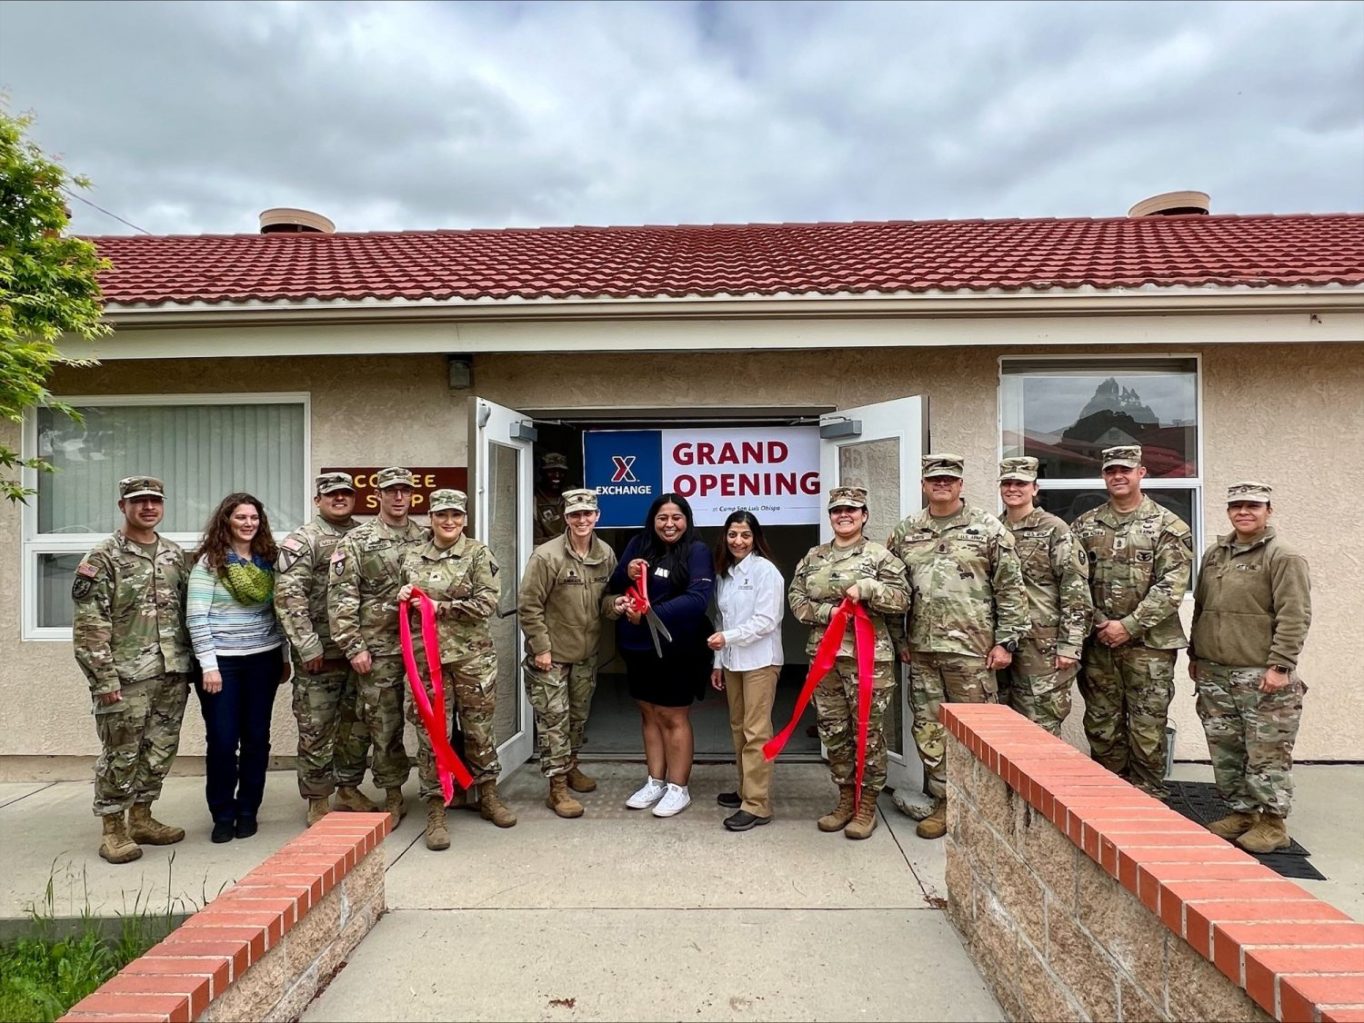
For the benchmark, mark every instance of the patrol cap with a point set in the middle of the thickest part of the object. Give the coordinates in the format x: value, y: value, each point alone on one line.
x: 330, y: 482
x: 1024, y: 469
x: 394, y: 476
x: 448, y: 500
x: 1250, y: 492
x: 1128, y: 455
x: 579, y: 500
x: 848, y: 497
x: 943, y: 465
x: 140, y: 486
x: 554, y: 460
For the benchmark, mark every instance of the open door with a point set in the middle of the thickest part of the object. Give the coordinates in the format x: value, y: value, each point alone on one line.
x: 502, y: 500
x: 879, y: 447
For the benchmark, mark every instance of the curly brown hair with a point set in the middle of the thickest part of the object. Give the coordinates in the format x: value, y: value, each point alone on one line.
x: 217, y: 539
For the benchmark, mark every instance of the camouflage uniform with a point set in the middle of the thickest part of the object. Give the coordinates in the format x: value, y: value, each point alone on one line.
x: 817, y: 588
x: 331, y: 746
x: 549, y: 508
x: 1139, y: 566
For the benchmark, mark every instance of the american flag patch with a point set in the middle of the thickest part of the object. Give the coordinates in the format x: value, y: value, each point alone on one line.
x: 86, y: 569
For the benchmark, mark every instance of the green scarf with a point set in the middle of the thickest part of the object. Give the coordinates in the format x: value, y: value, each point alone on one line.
x: 247, y: 582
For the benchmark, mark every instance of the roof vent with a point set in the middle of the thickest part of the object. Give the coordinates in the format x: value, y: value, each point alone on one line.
x: 286, y: 220
x: 1170, y: 204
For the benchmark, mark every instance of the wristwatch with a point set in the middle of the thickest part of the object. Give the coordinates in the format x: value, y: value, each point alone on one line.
x: 1011, y: 646
x: 1280, y: 669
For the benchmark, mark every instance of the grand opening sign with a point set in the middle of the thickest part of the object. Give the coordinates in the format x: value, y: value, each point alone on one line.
x: 770, y: 471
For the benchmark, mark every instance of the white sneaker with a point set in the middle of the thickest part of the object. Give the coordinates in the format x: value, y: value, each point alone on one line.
x: 651, y: 792
x: 674, y: 801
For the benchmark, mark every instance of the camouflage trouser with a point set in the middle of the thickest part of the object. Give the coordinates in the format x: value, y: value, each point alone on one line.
x: 935, y: 679
x: 1032, y: 686
x: 139, y: 736
x: 562, y: 698
x: 836, y: 716
x: 331, y: 746
x: 379, y: 714
x: 1250, y: 736
x: 470, y: 688
x: 1127, y: 692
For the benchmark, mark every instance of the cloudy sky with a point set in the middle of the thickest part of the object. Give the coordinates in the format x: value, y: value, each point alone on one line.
x: 193, y: 117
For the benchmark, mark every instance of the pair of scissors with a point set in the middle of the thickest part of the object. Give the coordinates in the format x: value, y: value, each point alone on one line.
x: 639, y: 597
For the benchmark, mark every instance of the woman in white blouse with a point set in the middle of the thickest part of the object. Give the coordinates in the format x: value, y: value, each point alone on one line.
x: 750, y: 598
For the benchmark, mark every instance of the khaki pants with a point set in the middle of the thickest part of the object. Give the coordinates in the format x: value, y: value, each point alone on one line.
x: 750, y: 695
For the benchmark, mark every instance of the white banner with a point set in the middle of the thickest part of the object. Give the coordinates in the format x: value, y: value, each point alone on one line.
x: 771, y: 471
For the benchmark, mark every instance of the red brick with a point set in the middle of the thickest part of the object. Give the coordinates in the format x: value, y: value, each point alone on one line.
x: 218, y: 969
x: 113, y: 1017
x: 1229, y: 938
x: 1343, y: 1014
x: 173, y: 1008
x: 1300, y: 994
x: 1266, y: 911
x: 1264, y: 965
x: 255, y: 936
x: 178, y: 946
x: 198, y: 988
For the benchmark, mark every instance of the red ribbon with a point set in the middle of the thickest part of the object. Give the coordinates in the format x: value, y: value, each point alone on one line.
x: 639, y: 592
x: 822, y: 663
x: 449, y: 768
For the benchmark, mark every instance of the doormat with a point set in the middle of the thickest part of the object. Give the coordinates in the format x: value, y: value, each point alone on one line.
x: 1199, y: 801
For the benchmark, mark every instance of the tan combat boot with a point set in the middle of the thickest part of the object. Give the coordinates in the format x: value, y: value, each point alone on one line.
x: 350, y: 799
x: 145, y: 829
x: 864, y: 821
x: 116, y: 846
x: 1232, y: 826
x: 491, y: 807
x: 560, y: 801
x: 318, y: 807
x: 580, y: 782
x: 935, y: 824
x: 437, y: 834
x: 837, y: 818
x: 395, y: 806
x: 1268, y: 835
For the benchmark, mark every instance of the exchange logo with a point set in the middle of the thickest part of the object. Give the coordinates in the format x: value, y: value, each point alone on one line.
x: 623, y: 473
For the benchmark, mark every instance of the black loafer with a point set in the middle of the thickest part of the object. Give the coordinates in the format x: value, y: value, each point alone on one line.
x: 743, y: 821
x: 246, y: 827
x: 729, y: 799
x: 223, y: 831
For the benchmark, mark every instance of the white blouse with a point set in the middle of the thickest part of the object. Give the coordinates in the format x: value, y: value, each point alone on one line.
x: 750, y: 601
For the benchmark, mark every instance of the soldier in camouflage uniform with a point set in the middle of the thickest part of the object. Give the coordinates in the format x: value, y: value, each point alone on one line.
x: 1252, y: 608
x: 331, y: 748
x: 549, y: 499
x: 1056, y: 577
x: 851, y: 566
x: 362, y: 608
x: 968, y: 613
x: 1140, y: 557
x: 131, y: 643
x: 459, y: 574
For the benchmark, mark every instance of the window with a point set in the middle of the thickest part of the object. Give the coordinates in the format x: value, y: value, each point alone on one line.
x: 1064, y: 412
x: 202, y: 446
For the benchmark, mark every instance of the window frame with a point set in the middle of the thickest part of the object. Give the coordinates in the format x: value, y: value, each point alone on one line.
x: 34, y: 544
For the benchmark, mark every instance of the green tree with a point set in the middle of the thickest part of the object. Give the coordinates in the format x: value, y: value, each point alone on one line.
x: 49, y: 285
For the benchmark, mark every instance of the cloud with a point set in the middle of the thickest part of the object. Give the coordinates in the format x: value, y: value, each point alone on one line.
x: 193, y: 117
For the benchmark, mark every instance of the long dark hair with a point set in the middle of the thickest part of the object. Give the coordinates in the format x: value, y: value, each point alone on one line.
x: 661, y: 555
x: 724, y: 560
x: 217, y: 539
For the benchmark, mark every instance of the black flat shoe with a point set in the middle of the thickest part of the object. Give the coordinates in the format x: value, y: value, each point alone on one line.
x: 729, y: 799
x: 246, y: 827
x: 223, y: 831
x: 743, y: 821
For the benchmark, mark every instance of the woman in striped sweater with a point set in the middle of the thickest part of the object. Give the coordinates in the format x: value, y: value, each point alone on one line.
x: 238, y: 642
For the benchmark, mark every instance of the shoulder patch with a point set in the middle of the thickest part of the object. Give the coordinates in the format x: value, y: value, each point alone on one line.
x: 292, y: 543
x: 84, y: 581
x: 86, y: 569
x: 339, y: 560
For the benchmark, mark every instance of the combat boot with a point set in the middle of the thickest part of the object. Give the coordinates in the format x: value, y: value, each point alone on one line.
x: 116, y: 846
x: 1232, y: 826
x: 437, y: 834
x: 350, y: 799
x: 145, y: 829
x: 318, y: 807
x: 395, y: 806
x: 491, y: 807
x: 864, y: 821
x: 935, y: 824
x: 580, y: 782
x: 1268, y: 835
x: 837, y: 818
x: 560, y: 801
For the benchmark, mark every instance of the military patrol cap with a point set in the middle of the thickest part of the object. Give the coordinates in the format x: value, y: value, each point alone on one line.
x: 1249, y: 491
x: 1024, y: 469
x: 579, y: 501
x: 330, y: 482
x: 554, y: 460
x: 140, y: 486
x: 394, y: 476
x: 848, y: 497
x: 1128, y: 455
x: 448, y: 500
x: 943, y: 465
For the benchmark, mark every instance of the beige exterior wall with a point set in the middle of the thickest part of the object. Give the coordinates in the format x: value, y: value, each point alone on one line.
x: 1293, y: 415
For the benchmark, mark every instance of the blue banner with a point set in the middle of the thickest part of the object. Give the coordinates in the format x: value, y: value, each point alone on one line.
x: 625, y: 468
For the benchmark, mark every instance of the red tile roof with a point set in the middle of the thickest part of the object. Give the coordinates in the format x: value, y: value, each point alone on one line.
x: 749, y: 259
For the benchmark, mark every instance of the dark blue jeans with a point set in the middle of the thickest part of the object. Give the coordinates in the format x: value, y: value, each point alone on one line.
x: 236, y: 718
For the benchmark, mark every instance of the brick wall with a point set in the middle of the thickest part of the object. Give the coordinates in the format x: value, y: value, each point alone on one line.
x: 1082, y: 898
x: 264, y: 948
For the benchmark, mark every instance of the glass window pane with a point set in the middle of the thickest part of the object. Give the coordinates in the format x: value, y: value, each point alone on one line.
x: 874, y: 464
x: 55, y: 574
x: 1071, y: 504
x: 1065, y: 413
x: 503, y: 511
